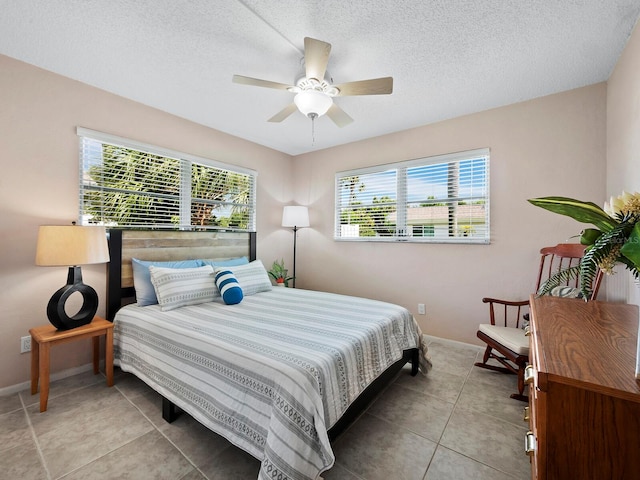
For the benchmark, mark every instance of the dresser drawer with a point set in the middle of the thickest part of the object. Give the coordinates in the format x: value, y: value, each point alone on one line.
x: 537, y: 405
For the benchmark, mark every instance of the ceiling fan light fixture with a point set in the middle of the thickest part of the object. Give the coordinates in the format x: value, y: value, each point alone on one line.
x: 313, y: 102
x: 314, y: 89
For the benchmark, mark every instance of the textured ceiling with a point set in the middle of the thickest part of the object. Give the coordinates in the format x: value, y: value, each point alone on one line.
x: 447, y: 57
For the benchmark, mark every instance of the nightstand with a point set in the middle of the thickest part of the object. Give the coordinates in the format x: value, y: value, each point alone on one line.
x: 43, y: 338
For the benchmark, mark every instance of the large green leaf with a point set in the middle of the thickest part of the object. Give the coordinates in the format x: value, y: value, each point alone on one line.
x: 631, y: 248
x: 585, y: 212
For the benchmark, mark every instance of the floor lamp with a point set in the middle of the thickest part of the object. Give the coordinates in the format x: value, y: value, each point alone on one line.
x: 295, y: 217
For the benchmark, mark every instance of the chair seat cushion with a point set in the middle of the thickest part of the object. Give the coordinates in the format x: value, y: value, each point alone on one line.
x: 512, y: 338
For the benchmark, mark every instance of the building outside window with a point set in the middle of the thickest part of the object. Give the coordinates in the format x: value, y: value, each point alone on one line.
x: 442, y: 199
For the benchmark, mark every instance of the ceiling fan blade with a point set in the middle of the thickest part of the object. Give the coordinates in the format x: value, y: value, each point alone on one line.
x: 375, y: 86
x: 339, y: 117
x: 316, y: 57
x: 284, y: 113
x: 256, y: 82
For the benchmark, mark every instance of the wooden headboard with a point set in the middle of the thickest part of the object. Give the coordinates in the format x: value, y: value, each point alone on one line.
x: 166, y: 246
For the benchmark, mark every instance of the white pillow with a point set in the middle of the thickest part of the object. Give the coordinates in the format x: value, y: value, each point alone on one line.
x: 145, y: 293
x: 177, y: 287
x: 252, y: 277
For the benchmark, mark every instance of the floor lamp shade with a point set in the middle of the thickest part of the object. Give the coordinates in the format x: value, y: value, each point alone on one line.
x: 295, y: 217
x: 72, y: 246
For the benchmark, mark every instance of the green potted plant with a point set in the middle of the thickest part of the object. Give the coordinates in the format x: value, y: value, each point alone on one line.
x: 279, y: 273
x: 616, y: 238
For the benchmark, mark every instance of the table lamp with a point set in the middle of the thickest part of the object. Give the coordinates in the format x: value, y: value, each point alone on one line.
x: 72, y: 246
x: 296, y: 217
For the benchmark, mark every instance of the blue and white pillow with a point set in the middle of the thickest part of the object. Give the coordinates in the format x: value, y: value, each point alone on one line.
x: 232, y: 262
x: 252, y: 277
x: 145, y: 292
x: 177, y: 287
x: 229, y: 287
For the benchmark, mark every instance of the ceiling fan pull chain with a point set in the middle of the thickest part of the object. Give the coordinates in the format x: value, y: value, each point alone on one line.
x: 313, y: 128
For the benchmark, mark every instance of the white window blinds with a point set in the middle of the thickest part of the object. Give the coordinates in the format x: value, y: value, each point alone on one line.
x: 133, y: 185
x: 442, y: 199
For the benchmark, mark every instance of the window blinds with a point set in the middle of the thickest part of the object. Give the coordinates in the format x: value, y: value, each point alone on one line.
x: 436, y: 199
x: 129, y: 184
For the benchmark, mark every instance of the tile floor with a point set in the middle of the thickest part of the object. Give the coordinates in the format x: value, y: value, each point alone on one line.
x: 456, y: 423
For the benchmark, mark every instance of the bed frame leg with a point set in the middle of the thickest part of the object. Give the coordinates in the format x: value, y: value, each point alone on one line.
x: 169, y: 411
x: 415, y: 361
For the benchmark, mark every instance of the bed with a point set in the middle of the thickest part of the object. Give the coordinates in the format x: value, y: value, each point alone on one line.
x: 279, y: 374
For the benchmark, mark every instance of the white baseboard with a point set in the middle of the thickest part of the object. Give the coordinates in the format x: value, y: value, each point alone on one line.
x: 455, y: 342
x: 11, y: 389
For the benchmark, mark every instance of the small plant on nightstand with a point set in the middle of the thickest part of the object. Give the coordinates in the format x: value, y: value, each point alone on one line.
x: 279, y: 273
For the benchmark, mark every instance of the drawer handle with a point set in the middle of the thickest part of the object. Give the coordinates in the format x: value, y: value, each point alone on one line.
x: 529, y: 374
x: 529, y: 443
x: 527, y: 331
x: 526, y: 414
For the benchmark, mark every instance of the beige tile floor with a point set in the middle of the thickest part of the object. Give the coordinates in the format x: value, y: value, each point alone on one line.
x: 456, y: 423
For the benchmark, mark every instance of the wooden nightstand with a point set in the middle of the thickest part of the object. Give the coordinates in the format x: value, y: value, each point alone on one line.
x: 42, y: 338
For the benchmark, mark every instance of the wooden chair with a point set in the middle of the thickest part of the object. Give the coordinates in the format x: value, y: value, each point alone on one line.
x: 505, y: 336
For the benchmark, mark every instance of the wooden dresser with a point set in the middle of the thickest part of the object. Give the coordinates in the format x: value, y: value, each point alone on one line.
x: 584, y: 400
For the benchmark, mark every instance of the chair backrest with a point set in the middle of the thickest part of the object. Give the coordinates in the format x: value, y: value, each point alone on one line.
x: 552, y: 260
x: 560, y: 257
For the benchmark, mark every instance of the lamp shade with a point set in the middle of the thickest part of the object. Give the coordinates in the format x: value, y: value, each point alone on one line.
x: 295, y: 216
x: 311, y: 102
x: 69, y: 245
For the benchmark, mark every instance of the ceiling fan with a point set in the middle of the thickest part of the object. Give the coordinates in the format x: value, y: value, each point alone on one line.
x: 313, y: 88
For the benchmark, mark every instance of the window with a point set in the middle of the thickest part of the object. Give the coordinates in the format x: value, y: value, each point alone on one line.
x: 442, y: 199
x: 129, y: 184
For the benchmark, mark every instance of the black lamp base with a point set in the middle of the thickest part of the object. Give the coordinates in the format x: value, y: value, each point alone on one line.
x: 55, y: 309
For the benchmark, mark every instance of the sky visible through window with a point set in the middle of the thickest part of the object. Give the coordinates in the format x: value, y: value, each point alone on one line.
x: 424, y: 183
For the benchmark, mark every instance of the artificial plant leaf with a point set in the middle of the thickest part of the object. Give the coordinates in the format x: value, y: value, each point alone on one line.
x: 599, y: 255
x: 631, y: 248
x: 588, y: 272
x: 585, y: 212
x: 589, y: 236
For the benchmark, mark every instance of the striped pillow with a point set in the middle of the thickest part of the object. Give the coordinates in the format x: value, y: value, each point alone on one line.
x: 145, y: 293
x: 252, y: 277
x: 177, y: 287
x: 229, y: 287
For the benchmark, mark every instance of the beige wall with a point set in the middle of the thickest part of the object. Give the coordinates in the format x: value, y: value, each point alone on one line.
x: 549, y: 146
x: 39, y: 113
x: 623, y: 132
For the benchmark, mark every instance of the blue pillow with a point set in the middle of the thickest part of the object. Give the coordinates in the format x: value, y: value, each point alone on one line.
x: 229, y: 287
x: 145, y: 293
x: 233, y: 262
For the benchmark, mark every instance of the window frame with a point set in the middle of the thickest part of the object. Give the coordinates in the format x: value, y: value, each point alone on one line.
x: 403, y: 228
x: 186, y: 162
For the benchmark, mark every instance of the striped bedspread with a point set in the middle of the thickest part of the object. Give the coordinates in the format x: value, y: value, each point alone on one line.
x: 271, y: 374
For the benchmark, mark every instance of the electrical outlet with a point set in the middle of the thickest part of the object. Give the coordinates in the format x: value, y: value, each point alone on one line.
x: 421, y: 310
x: 25, y: 344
